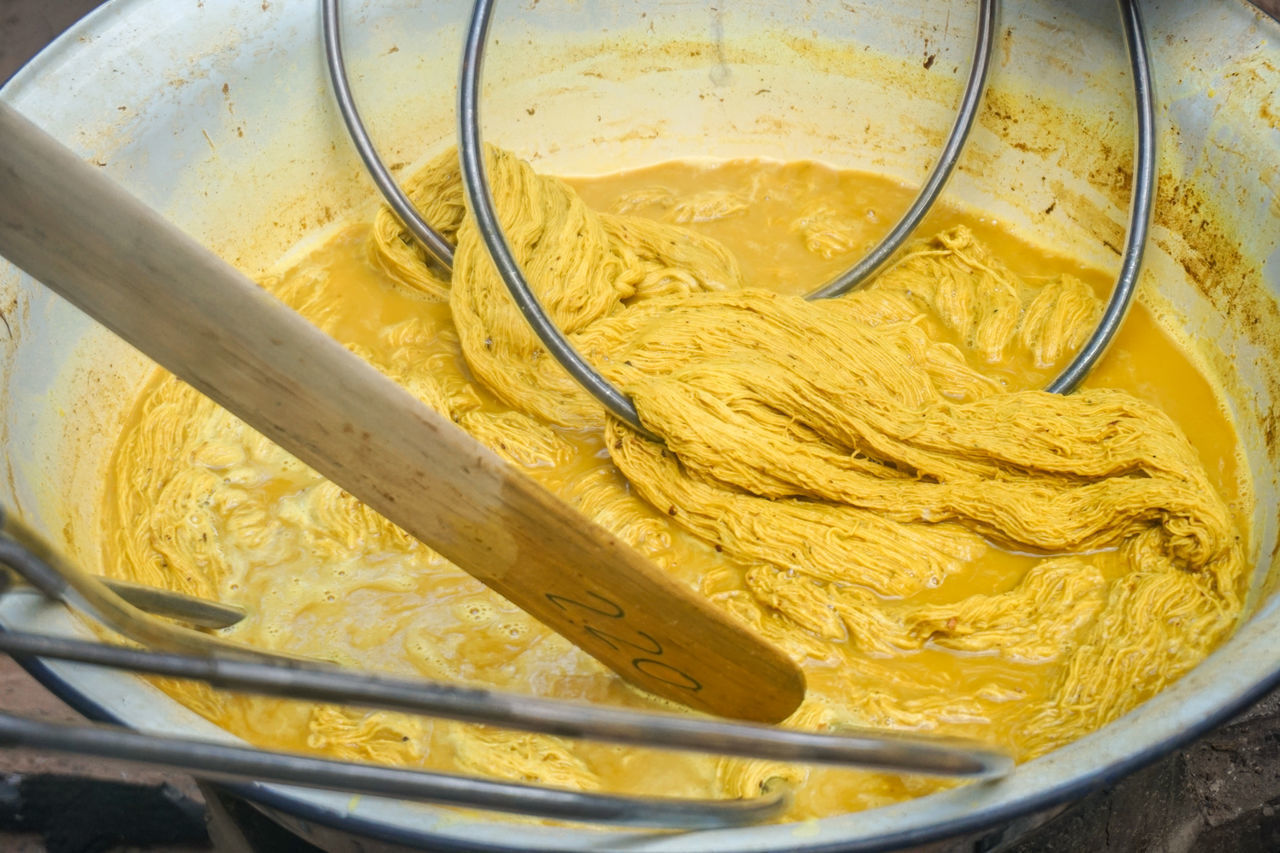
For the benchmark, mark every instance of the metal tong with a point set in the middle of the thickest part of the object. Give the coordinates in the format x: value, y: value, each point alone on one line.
x: 619, y: 405
x: 178, y: 652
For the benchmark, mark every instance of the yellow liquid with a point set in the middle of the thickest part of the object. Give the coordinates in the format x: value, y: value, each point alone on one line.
x: 199, y: 503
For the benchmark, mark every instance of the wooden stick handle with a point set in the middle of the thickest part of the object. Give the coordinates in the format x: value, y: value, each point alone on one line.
x: 75, y: 230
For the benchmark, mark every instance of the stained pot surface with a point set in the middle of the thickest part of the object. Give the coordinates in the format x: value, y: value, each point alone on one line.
x: 219, y: 115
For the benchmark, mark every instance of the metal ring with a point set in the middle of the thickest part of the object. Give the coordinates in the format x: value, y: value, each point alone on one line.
x: 1141, y: 202
x: 933, y: 185
x: 480, y: 199
x: 428, y: 238
x: 1144, y: 181
x: 479, y: 196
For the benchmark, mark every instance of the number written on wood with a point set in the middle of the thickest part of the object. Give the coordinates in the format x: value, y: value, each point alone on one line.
x: 621, y: 637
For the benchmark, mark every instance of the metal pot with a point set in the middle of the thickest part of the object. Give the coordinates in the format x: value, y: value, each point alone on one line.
x: 219, y: 115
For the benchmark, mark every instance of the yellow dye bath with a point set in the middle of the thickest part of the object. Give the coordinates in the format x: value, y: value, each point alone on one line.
x: 960, y: 633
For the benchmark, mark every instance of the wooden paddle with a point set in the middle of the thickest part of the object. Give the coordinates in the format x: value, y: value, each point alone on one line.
x: 79, y: 233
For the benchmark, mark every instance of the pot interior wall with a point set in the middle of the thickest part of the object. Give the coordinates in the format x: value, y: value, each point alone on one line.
x: 219, y: 115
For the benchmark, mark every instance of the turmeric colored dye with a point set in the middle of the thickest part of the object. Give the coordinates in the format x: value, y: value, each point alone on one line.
x: 871, y: 482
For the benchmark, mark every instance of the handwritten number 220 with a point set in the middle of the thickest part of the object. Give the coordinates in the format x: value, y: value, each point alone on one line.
x: 648, y: 663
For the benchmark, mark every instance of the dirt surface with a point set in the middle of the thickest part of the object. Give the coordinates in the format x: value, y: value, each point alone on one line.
x: 1221, y: 793
x: 22, y: 694
x: 28, y: 25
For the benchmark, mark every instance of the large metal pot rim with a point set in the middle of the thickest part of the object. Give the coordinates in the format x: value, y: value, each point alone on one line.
x: 1235, y: 675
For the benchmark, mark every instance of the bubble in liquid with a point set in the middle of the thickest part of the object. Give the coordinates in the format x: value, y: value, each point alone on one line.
x: 475, y: 611
x: 514, y: 630
x: 426, y: 655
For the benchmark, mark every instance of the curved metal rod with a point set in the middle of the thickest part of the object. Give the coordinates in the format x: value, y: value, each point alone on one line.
x: 226, y: 762
x: 933, y: 185
x: 274, y: 674
x: 479, y: 197
x: 58, y: 579
x: 287, y: 679
x: 480, y: 200
x: 197, y: 612
x: 1144, y: 181
x: 428, y: 238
